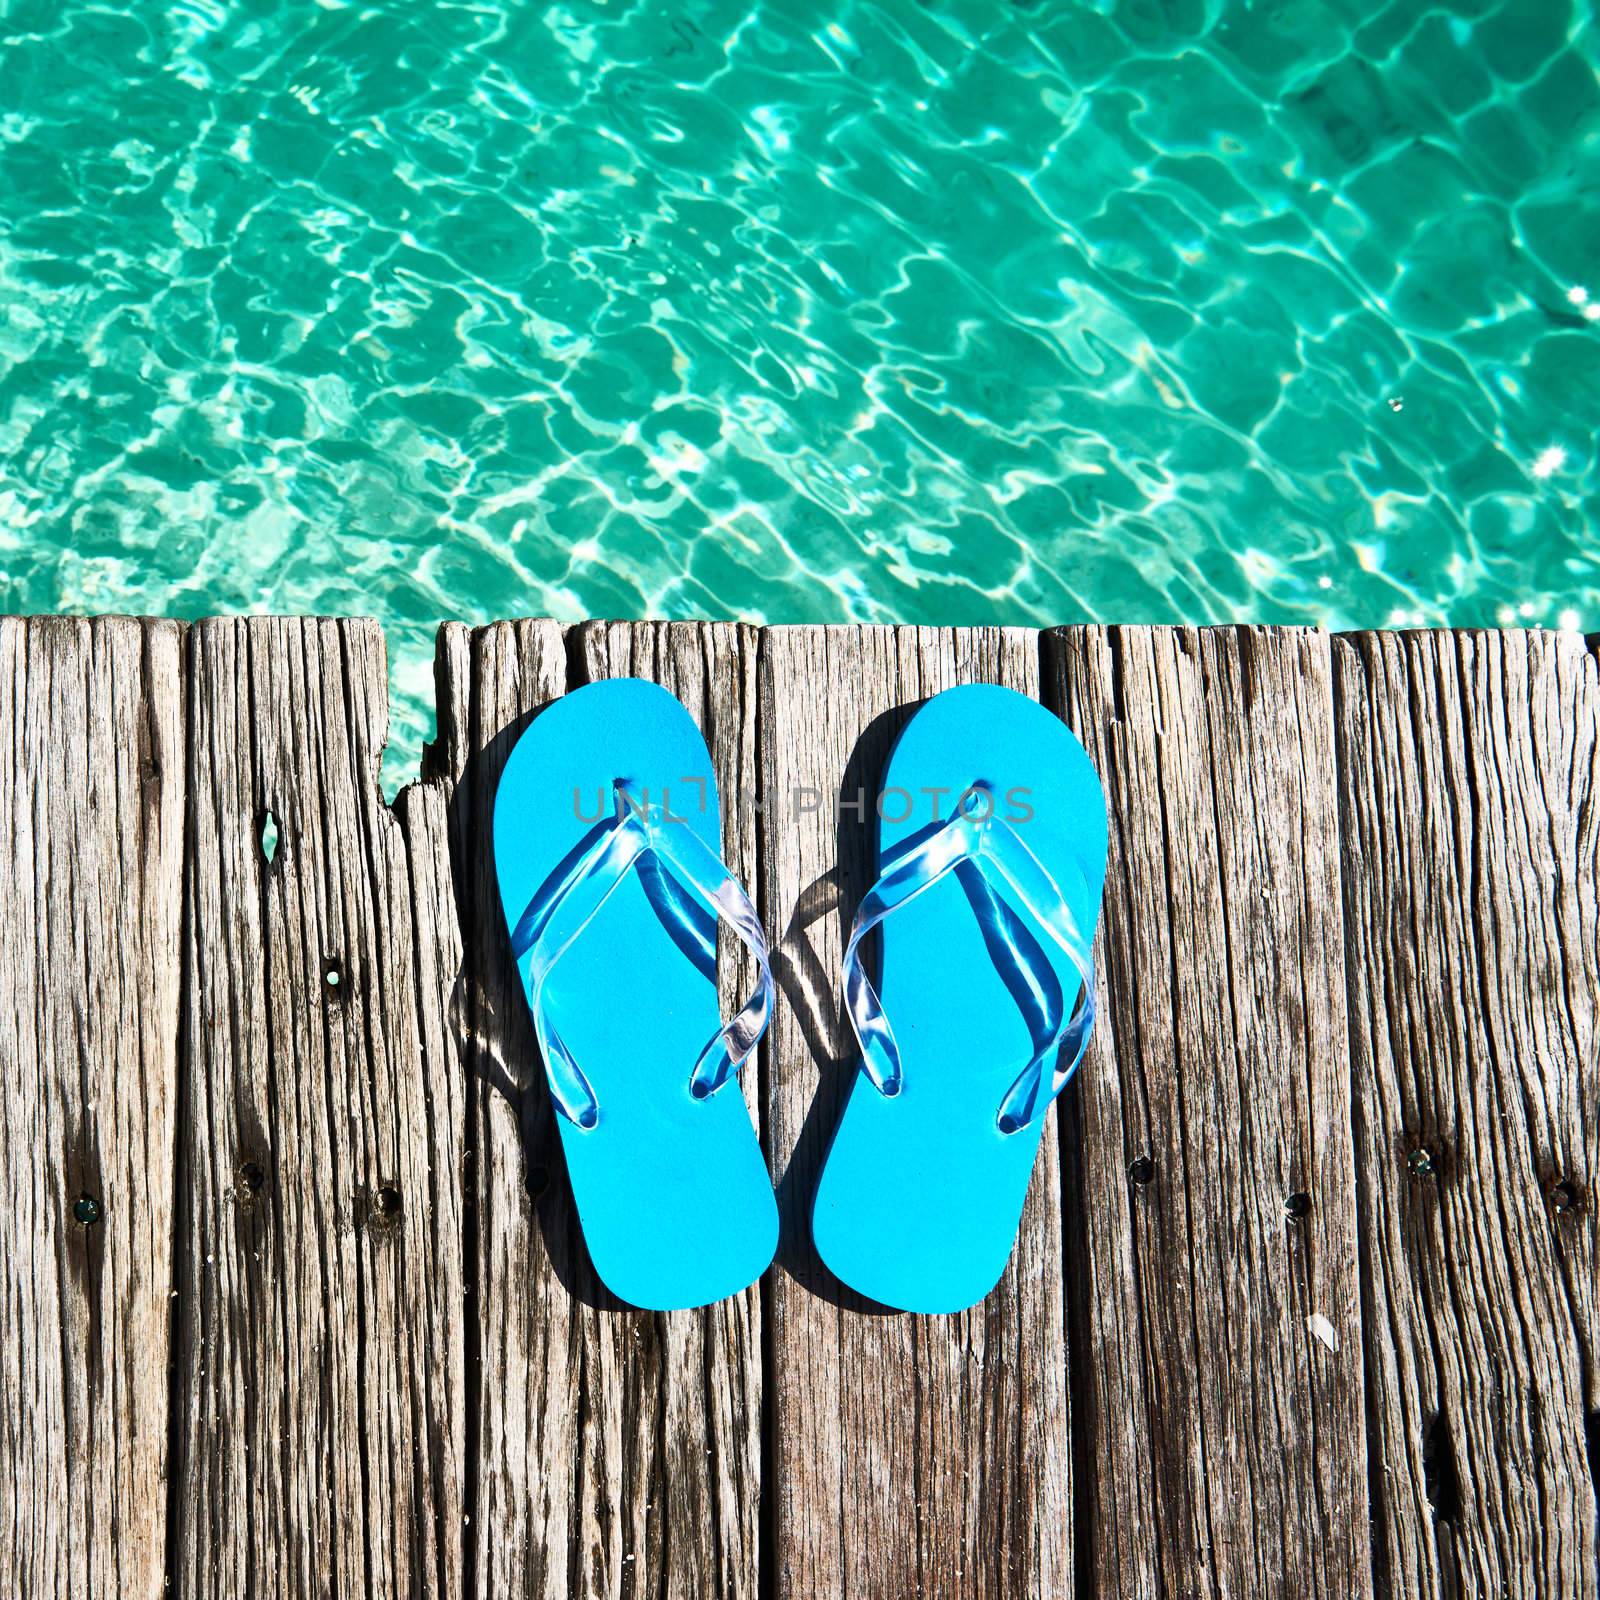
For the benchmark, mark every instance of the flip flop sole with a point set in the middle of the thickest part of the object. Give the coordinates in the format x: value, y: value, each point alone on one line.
x: 672, y: 1192
x: 921, y: 1194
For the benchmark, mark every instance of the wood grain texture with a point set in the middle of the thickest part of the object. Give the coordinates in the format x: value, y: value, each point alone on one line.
x: 1472, y: 840
x: 91, y: 859
x: 523, y: 1336
x: 619, y: 1452
x: 682, y: 1390
x: 1224, y: 1439
x: 1349, y: 969
x: 319, y: 1370
x: 908, y: 1455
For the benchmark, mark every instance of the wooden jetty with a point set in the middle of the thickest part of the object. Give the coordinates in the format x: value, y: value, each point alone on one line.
x: 294, y: 1303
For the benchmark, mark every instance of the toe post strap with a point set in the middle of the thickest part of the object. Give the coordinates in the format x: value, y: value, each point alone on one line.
x: 641, y: 832
x: 1006, y: 869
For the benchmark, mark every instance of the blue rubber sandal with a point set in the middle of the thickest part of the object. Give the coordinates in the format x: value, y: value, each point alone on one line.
x: 992, y: 856
x: 607, y: 845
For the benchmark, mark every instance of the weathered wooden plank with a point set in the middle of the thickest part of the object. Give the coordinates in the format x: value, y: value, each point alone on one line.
x: 91, y: 861
x: 319, y: 1368
x: 908, y: 1455
x: 1471, y: 846
x: 1211, y: 1203
x: 526, y: 1466
x: 682, y: 1390
x: 337, y: 1417
x: 620, y: 1450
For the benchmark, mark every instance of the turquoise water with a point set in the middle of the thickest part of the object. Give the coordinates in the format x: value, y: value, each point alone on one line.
x: 956, y: 311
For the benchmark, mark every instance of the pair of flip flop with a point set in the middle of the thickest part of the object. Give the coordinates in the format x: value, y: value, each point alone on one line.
x: 991, y: 849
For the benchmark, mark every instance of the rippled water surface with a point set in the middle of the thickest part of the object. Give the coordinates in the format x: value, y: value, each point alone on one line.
x: 954, y: 311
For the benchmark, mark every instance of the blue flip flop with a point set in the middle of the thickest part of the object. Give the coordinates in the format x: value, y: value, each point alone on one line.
x: 992, y: 856
x: 607, y: 844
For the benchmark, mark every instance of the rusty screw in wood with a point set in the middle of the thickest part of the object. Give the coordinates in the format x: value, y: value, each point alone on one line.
x: 86, y: 1209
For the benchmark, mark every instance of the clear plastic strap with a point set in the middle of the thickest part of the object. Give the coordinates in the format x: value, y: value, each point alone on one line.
x: 984, y: 838
x: 918, y: 870
x: 569, y: 901
x: 1037, y: 892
